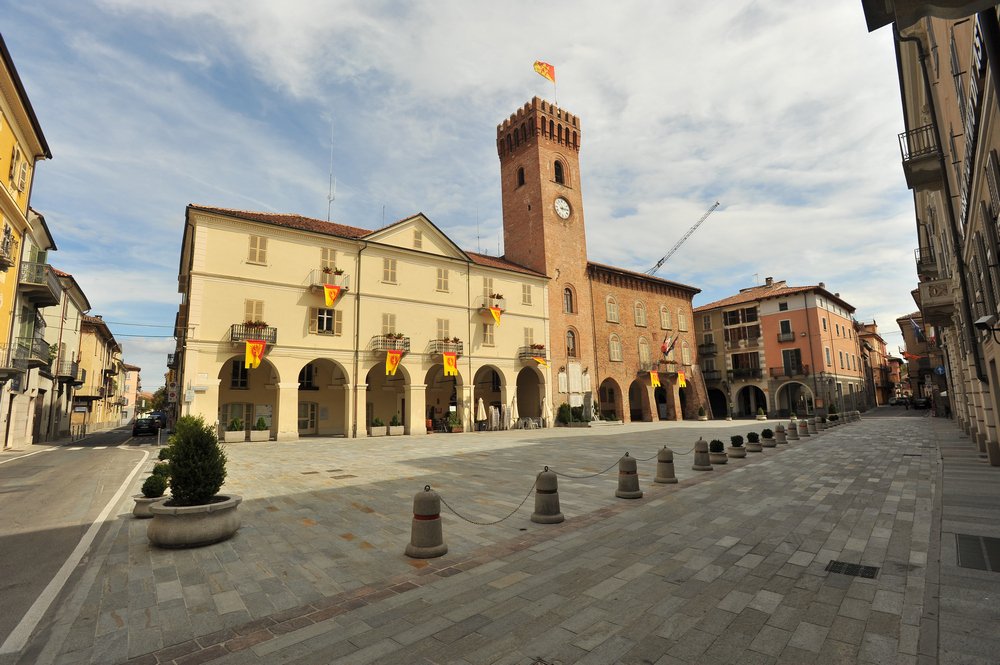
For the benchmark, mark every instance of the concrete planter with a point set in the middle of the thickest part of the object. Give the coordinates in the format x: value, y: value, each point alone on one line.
x: 717, y: 458
x: 194, y: 526
x: 736, y: 453
x: 754, y: 447
x: 761, y: 417
x: 767, y: 443
x: 260, y: 435
x: 397, y: 430
x: 143, y: 505
x: 703, y: 418
x: 234, y: 437
x: 378, y: 431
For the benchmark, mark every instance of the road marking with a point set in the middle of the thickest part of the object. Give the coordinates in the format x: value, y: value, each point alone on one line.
x: 23, y: 456
x: 75, y: 448
x: 100, y: 447
x: 18, y: 637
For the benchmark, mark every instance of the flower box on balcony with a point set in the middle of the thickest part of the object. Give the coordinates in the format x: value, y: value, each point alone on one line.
x: 529, y: 353
x: 390, y: 342
x: 241, y: 332
x: 453, y: 345
x: 335, y: 277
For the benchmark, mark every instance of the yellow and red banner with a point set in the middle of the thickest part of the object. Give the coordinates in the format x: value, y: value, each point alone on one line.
x: 654, y: 379
x: 546, y: 70
x: 255, y: 353
x: 541, y: 361
x: 681, y: 381
x: 495, y: 311
x: 392, y: 358
x: 330, y: 292
x: 450, y: 363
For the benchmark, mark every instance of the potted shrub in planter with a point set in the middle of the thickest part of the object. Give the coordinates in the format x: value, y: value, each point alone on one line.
x: 767, y: 438
x: 378, y: 427
x: 564, y: 414
x: 395, y: 426
x: 152, y: 492
x: 454, y: 422
x: 195, y: 514
x: 260, y: 431
x: 821, y: 423
x: 834, y: 419
x: 761, y: 415
x: 234, y: 432
x: 736, y: 450
x: 717, y: 452
x: 753, y: 443
x: 701, y: 413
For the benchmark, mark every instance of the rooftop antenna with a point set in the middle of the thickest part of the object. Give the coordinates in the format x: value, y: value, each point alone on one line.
x: 478, y: 249
x: 756, y: 279
x: 332, y: 195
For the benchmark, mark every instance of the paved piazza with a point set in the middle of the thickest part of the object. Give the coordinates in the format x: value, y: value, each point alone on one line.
x: 727, y: 566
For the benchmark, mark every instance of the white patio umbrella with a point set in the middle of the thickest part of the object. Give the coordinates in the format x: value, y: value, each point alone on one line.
x: 513, y: 411
x: 481, y: 410
x: 546, y: 413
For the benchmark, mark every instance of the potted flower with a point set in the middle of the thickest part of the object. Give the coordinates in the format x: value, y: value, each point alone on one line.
x: 717, y: 452
x: 234, y: 431
x: 760, y: 414
x: 454, y: 422
x: 736, y: 450
x: 260, y: 431
x: 152, y: 491
x: 395, y: 426
x: 701, y: 413
x: 195, y: 514
x: 327, y: 270
x: 753, y: 443
x: 378, y: 427
x: 767, y: 438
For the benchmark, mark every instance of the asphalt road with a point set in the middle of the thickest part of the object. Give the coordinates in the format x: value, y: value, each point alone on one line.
x: 47, y: 503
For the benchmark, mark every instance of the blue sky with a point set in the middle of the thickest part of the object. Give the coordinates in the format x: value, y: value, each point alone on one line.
x: 790, y: 120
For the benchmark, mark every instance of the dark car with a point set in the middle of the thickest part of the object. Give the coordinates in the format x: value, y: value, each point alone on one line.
x: 160, y: 417
x: 145, y: 426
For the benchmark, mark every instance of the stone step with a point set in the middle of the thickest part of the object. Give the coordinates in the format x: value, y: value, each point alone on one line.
x: 605, y: 423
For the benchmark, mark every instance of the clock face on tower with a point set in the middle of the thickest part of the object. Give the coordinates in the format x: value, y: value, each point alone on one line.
x: 562, y: 207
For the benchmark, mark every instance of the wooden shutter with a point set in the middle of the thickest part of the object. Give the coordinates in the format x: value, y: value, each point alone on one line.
x: 313, y: 320
x: 338, y: 322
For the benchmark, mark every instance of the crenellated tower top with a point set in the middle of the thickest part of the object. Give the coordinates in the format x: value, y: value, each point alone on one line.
x: 537, y: 120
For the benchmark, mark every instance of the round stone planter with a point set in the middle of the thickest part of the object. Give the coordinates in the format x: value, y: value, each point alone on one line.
x: 703, y: 418
x: 717, y: 458
x: 761, y: 417
x: 754, y: 447
x: 144, y: 506
x: 194, y: 526
x: 736, y: 453
x: 767, y: 443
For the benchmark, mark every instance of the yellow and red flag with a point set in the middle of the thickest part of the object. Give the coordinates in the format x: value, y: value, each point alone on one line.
x: 654, y: 379
x: 255, y: 353
x: 681, y: 381
x: 546, y: 70
x: 495, y: 311
x: 330, y: 292
x: 450, y: 363
x: 541, y: 361
x: 392, y: 358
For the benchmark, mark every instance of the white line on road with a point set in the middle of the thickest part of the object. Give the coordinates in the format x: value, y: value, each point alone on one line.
x: 75, y: 448
x: 23, y: 456
x: 100, y: 447
x: 18, y: 637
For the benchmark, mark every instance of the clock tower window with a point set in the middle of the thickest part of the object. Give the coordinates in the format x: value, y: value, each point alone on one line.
x: 520, y: 176
x: 560, y: 174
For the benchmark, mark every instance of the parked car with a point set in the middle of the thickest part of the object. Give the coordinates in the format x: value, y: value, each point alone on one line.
x: 145, y: 426
x: 160, y: 417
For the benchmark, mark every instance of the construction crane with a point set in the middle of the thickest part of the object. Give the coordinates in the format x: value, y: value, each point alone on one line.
x: 652, y: 271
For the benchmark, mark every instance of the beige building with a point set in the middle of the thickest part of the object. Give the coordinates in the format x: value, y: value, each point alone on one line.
x: 131, y: 388
x: 98, y: 401
x: 407, y: 287
x: 63, y: 374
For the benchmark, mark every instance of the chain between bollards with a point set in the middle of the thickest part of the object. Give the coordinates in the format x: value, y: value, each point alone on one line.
x: 509, y: 515
x: 593, y: 475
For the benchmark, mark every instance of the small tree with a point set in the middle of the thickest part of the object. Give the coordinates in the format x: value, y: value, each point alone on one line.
x: 565, y: 414
x: 753, y: 437
x: 832, y: 409
x: 235, y: 425
x: 197, y: 462
x: 736, y: 440
x: 767, y: 433
x: 716, y: 446
x: 394, y: 421
x: 154, y: 487
x: 701, y: 411
x: 261, y: 424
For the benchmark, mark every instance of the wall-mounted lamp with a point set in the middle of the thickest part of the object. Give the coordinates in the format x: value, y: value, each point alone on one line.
x: 988, y: 323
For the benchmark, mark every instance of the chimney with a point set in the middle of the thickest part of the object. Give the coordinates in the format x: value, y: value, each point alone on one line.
x: 768, y: 281
x: 822, y: 285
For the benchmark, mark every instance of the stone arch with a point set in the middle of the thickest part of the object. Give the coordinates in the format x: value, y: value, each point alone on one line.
x: 609, y: 397
x: 385, y: 396
x: 530, y: 389
x: 243, y: 392
x: 638, y: 402
x: 719, y: 403
x: 749, y: 398
x: 324, y: 394
x: 443, y: 393
x: 794, y: 397
x: 488, y: 384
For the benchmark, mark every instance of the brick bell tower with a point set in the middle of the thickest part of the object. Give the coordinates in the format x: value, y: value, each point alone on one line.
x: 543, y: 229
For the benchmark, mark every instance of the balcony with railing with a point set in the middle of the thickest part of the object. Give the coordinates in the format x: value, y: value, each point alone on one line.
x: 9, y: 365
x: 746, y: 343
x: 8, y: 249
x: 447, y: 346
x: 921, y: 155
x: 936, y: 302
x: 81, y: 379
x: 789, y: 372
x: 707, y: 349
x: 646, y: 366
x: 495, y: 300
x: 529, y: 353
x: 67, y: 371
x: 668, y: 366
x: 241, y: 332
x: 390, y: 342
x: 31, y: 352
x: 40, y: 285
x: 712, y: 375
x: 927, y: 266
x: 786, y: 336
x: 744, y: 373
x: 318, y: 277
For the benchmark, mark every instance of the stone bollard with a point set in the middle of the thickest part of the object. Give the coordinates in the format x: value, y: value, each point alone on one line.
x: 803, y: 429
x: 701, y: 459
x: 811, y: 426
x: 665, y: 466
x: 426, y: 538
x: 547, y: 499
x: 779, y: 434
x: 793, y: 431
x: 628, y: 479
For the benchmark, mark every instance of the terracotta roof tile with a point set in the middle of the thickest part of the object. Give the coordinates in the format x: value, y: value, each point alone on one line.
x: 60, y: 273
x: 642, y: 275
x: 776, y: 290
x: 500, y: 262
x: 291, y: 221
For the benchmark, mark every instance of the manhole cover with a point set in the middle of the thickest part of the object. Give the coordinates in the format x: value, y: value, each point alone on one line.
x: 852, y: 569
x: 978, y: 552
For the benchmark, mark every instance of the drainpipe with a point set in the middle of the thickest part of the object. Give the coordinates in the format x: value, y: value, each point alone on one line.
x: 593, y: 337
x: 952, y: 222
x: 357, y: 339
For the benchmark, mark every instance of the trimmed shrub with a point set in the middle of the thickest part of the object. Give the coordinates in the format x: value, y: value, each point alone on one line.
x: 760, y: 411
x: 834, y: 417
x: 235, y: 425
x: 564, y: 415
x: 736, y: 440
x: 394, y: 421
x: 197, y: 462
x: 832, y: 409
x: 377, y: 422
x: 753, y: 437
x: 716, y: 446
x: 701, y: 411
x: 154, y: 487
x: 767, y: 433
x: 164, y: 454
x: 261, y: 424
x: 161, y: 469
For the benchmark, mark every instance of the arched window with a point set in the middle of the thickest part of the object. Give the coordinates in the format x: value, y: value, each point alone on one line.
x: 517, y: 137
x: 574, y: 140
x: 568, y: 300
x: 560, y: 176
x: 611, y: 305
x: 524, y: 132
x: 664, y: 318
x: 570, y: 344
x: 640, y: 314
x: 510, y: 144
x: 643, y: 350
x: 615, y: 348
x: 520, y: 176
x: 560, y: 133
x: 682, y: 322
x: 552, y: 128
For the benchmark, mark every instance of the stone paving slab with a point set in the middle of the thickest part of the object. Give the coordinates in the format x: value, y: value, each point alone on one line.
x: 727, y: 566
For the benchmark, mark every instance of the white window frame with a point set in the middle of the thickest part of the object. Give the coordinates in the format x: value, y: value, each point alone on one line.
x: 615, y: 348
x: 489, y: 338
x: 640, y: 314
x: 611, y: 309
x: 442, y: 280
x: 257, y: 250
